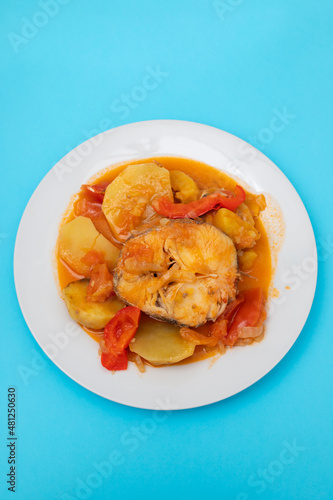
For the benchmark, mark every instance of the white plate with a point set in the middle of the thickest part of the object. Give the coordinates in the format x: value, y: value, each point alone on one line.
x: 177, y: 387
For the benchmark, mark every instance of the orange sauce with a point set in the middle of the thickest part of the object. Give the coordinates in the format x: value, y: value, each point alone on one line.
x: 206, y: 177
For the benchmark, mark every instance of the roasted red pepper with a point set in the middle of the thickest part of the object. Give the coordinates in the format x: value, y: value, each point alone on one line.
x: 192, y: 210
x: 117, y: 335
x: 247, y: 311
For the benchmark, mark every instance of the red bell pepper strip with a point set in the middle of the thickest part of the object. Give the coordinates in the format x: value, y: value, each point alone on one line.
x: 219, y: 199
x: 250, y: 312
x: 117, y: 335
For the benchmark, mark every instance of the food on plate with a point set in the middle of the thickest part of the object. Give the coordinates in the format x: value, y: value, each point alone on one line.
x: 242, y: 233
x: 117, y: 335
x: 220, y: 198
x: 79, y: 236
x: 128, y: 199
x: 183, y: 186
x: 94, y: 315
x: 184, y: 272
x: 246, y: 259
x: 161, y: 346
x: 165, y: 261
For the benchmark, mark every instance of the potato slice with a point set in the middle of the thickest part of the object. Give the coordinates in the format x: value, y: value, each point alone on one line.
x: 127, y: 200
x: 184, y: 186
x: 79, y: 236
x: 94, y: 315
x: 242, y: 233
x: 160, y: 343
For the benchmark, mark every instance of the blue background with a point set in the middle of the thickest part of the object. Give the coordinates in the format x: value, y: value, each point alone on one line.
x: 229, y: 66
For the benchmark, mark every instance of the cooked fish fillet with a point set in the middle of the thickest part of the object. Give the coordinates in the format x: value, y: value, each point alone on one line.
x: 184, y: 272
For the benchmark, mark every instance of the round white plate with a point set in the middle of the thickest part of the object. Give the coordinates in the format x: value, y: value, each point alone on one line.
x: 175, y: 387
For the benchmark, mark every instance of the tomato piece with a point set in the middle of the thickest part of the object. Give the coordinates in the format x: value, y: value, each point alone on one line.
x: 92, y: 258
x: 100, y: 286
x: 117, y: 335
x: 218, y: 329
x: 87, y: 208
x: 96, y: 191
x: 249, y: 312
x: 231, y: 338
x: 192, y: 210
x: 121, y: 328
x: 233, y: 307
x: 114, y: 362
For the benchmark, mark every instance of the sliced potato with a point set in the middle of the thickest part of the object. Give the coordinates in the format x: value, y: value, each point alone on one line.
x: 127, y: 200
x: 242, y: 233
x: 78, y: 237
x: 94, y: 315
x: 110, y: 252
x: 160, y: 343
x: 184, y: 186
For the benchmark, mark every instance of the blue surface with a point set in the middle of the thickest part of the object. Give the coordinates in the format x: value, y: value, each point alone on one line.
x: 230, y: 64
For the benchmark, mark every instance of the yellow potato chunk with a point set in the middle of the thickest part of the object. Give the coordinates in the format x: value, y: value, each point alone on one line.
x: 127, y: 200
x: 79, y: 237
x: 184, y: 187
x: 160, y: 343
x: 256, y: 203
x: 246, y: 259
x: 94, y: 315
x: 242, y: 233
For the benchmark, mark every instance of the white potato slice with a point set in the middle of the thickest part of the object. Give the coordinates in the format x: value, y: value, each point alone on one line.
x: 79, y: 236
x: 94, y: 315
x: 127, y: 200
x: 160, y: 343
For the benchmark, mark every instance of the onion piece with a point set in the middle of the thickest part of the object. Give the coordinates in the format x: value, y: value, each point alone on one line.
x: 136, y: 359
x: 250, y: 332
x: 102, y: 346
x: 197, y: 338
x: 139, y: 363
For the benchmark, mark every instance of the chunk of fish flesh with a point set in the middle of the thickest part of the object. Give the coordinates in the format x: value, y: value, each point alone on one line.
x: 184, y: 272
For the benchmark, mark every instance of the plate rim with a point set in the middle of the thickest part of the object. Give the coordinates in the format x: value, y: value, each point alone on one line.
x: 138, y: 124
